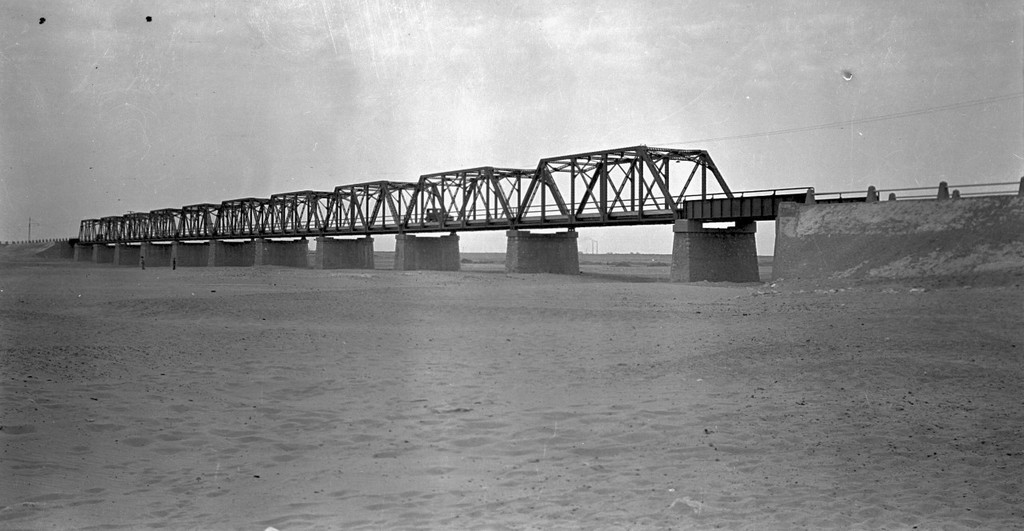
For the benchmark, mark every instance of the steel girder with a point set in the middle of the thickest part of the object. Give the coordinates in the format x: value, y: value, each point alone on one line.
x: 109, y: 229
x: 297, y: 213
x: 87, y: 230
x: 628, y: 185
x: 376, y: 207
x: 341, y: 216
x: 198, y: 221
x: 134, y: 226
x: 471, y: 198
x: 240, y: 218
x: 164, y: 224
x: 756, y: 206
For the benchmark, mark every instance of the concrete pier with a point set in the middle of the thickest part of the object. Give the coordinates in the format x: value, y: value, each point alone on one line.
x: 343, y: 254
x: 281, y: 253
x: 83, y: 253
x: 126, y: 255
x: 542, y: 253
x: 190, y: 254
x: 728, y: 255
x: 102, y: 254
x: 157, y: 254
x: 418, y: 252
x: 231, y: 254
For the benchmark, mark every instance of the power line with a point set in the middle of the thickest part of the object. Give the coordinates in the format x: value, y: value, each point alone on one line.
x: 952, y: 106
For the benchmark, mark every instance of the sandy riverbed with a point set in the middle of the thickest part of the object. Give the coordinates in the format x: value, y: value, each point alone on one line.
x: 240, y: 398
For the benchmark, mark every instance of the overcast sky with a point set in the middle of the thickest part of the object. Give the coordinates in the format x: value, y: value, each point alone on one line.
x: 103, y: 112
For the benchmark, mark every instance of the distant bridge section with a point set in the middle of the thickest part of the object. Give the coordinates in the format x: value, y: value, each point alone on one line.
x: 627, y: 186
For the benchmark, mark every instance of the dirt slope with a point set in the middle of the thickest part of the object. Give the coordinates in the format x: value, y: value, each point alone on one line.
x: 969, y: 240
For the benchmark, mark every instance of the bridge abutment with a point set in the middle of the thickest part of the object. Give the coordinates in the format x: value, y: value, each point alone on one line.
x: 542, y: 253
x: 728, y: 255
x: 343, y: 254
x: 126, y: 255
x: 157, y: 254
x: 418, y: 252
x: 281, y: 253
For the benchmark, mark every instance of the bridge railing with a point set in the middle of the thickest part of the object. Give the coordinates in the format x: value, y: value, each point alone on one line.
x: 924, y: 192
x: 39, y: 240
x: 749, y: 193
x: 978, y: 189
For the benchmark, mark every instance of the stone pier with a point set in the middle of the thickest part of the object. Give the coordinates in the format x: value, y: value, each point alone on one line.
x: 126, y: 255
x: 157, y: 254
x: 190, y: 254
x: 542, y: 253
x: 419, y: 252
x: 231, y: 254
x: 102, y: 254
x: 83, y: 253
x: 717, y: 255
x: 293, y: 253
x: 343, y: 254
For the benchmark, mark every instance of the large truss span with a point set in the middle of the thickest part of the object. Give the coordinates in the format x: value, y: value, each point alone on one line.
x: 626, y: 186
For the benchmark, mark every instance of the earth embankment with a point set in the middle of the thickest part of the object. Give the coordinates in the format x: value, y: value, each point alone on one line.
x: 36, y: 250
x: 968, y: 240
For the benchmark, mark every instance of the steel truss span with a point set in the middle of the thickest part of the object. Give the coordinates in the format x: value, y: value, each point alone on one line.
x: 627, y: 186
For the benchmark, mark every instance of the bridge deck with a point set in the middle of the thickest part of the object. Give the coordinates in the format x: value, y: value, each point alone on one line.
x: 719, y: 209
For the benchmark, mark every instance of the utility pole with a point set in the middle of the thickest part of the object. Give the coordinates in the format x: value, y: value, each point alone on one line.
x: 30, y: 228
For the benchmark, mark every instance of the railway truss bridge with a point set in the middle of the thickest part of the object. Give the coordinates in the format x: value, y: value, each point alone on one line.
x: 637, y: 185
